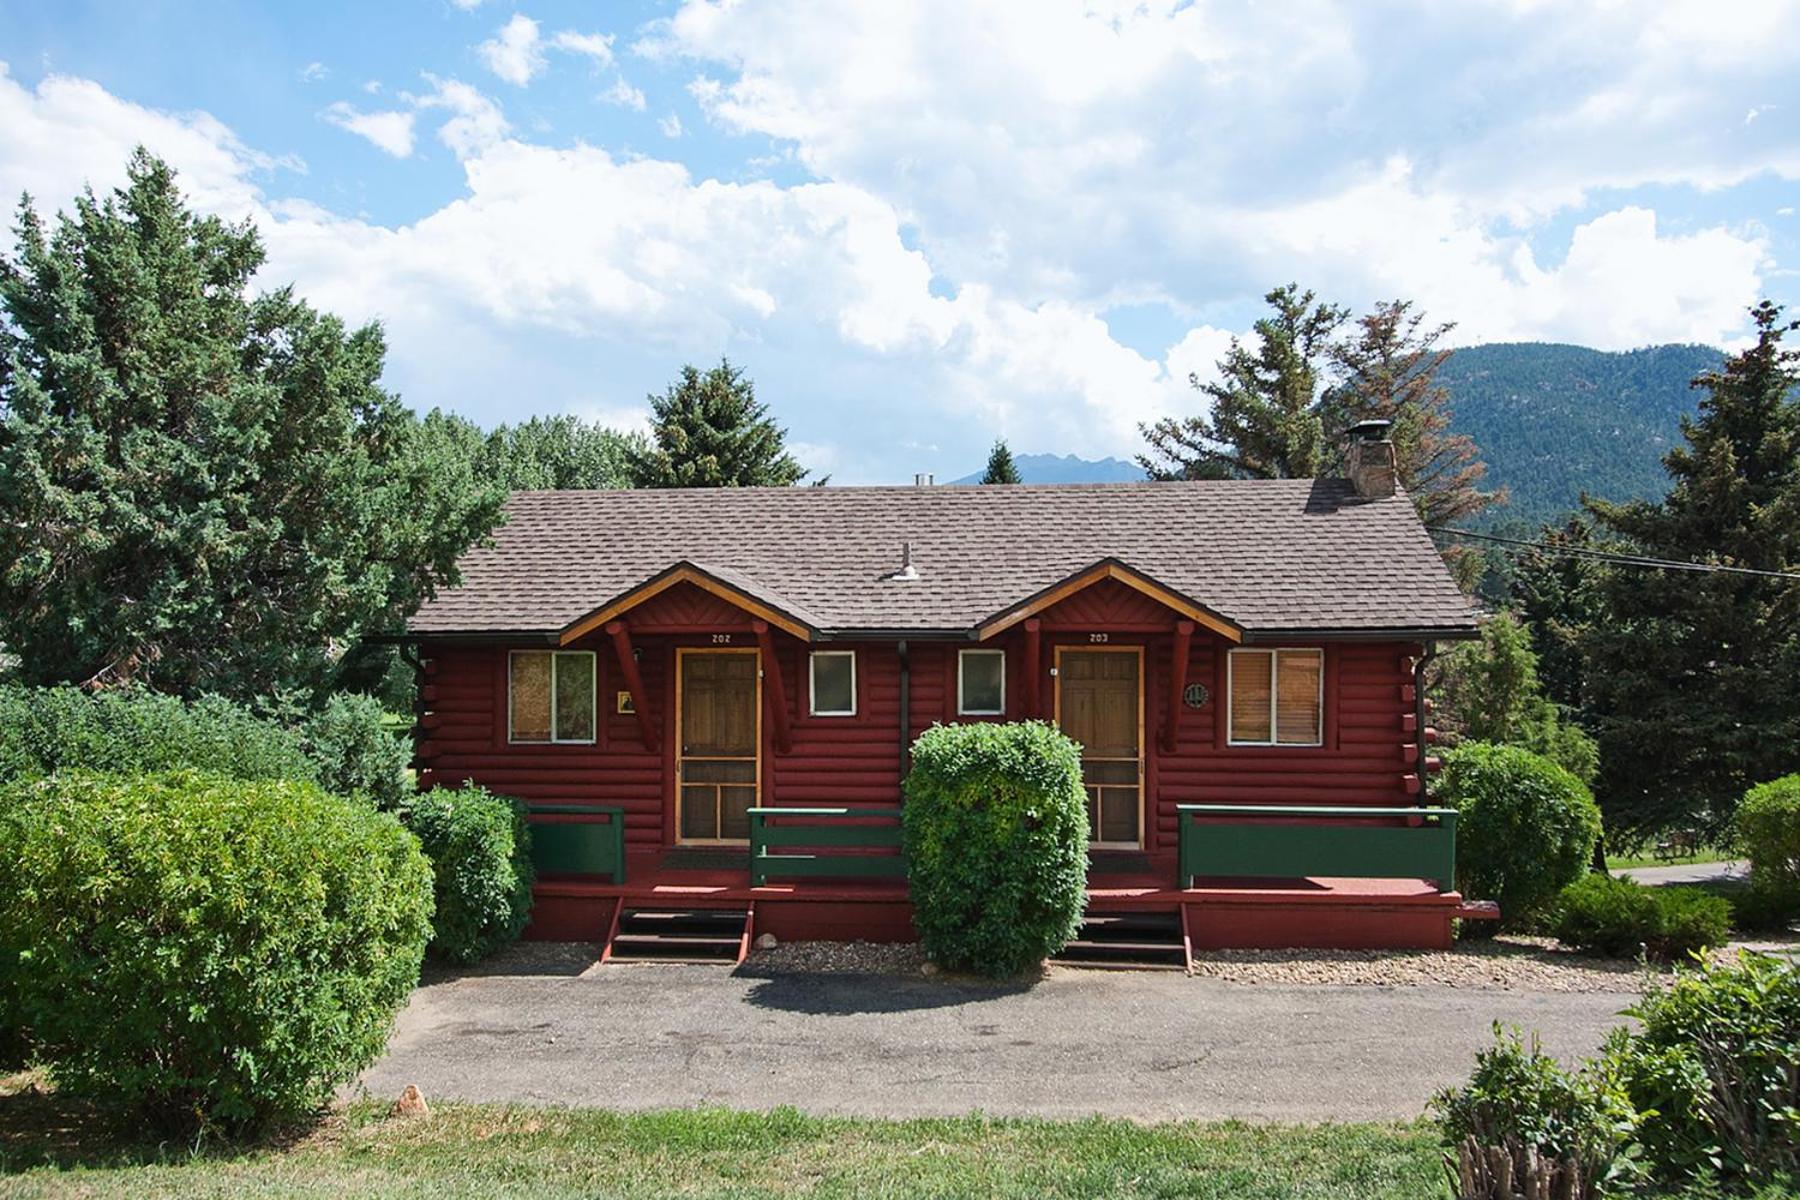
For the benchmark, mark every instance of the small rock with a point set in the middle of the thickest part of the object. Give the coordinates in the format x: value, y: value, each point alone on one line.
x: 410, y: 1104
x: 929, y: 968
x: 766, y: 941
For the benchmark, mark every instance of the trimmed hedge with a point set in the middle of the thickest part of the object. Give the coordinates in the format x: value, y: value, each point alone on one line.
x: 220, y: 953
x: 1617, y: 917
x: 995, y: 829
x: 354, y: 752
x: 1525, y: 829
x: 480, y: 850
x: 1767, y: 829
x: 130, y: 730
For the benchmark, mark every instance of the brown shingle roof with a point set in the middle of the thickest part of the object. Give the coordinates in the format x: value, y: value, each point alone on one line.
x: 1270, y: 556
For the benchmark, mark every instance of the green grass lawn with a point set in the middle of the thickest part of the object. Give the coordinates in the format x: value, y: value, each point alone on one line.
x: 480, y: 1150
x: 1706, y: 854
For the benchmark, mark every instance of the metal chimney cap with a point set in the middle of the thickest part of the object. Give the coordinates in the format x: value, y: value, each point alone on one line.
x: 1374, y: 430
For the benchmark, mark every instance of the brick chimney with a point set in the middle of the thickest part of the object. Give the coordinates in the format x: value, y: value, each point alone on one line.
x: 1370, y: 462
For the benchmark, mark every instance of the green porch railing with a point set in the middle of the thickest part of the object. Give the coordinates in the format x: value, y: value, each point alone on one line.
x: 578, y: 839
x: 840, y: 842
x: 1267, y: 841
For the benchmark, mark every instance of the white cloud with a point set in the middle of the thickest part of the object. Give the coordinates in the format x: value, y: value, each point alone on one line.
x: 313, y: 72
x: 372, y: 87
x: 389, y: 132
x: 670, y: 125
x: 475, y: 122
x: 624, y: 95
x: 467, y: 5
x: 515, y: 53
x: 597, y: 46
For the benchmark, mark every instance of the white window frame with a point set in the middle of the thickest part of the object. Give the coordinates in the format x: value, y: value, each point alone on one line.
x: 1274, y: 740
x: 812, y: 684
x: 593, y: 691
x: 962, y: 709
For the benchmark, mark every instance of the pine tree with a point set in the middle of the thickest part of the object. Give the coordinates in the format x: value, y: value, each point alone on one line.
x: 1387, y: 371
x: 1263, y: 420
x: 203, y: 490
x: 1693, y: 675
x: 1000, y: 466
x: 1559, y: 597
x: 1489, y: 691
x: 709, y: 430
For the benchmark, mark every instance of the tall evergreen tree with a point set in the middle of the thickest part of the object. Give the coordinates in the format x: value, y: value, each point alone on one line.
x: 1000, y: 465
x: 1387, y: 371
x: 201, y: 489
x: 1263, y: 420
x: 709, y: 430
x: 1559, y: 596
x: 1693, y: 675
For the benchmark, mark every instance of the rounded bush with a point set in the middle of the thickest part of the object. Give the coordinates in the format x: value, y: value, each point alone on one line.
x: 479, y: 846
x: 220, y: 953
x: 355, y: 752
x: 1525, y: 827
x: 1766, y: 828
x: 1599, y: 914
x: 43, y: 730
x: 995, y: 829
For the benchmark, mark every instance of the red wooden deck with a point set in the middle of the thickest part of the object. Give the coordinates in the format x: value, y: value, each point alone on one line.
x: 1338, y: 913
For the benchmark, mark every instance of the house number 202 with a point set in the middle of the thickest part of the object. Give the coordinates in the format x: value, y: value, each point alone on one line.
x: 721, y: 639
x: 1096, y: 637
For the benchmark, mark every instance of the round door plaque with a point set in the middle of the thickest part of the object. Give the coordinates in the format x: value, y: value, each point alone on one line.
x: 1194, y: 695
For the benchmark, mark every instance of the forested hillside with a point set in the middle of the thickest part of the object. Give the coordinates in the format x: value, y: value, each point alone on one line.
x: 1553, y: 421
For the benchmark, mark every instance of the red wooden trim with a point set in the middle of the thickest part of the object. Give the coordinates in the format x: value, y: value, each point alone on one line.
x: 1034, y: 667
x: 634, y: 682
x: 1329, y: 696
x: 1178, y: 674
x: 1221, y: 699
x: 777, y: 694
x: 502, y: 698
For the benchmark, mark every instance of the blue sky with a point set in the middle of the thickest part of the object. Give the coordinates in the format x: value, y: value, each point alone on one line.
x: 923, y: 226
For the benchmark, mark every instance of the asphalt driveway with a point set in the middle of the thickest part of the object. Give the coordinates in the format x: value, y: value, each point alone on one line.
x: 551, y: 1029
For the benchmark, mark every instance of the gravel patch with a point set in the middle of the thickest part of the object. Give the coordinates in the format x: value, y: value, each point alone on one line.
x: 1508, y: 963
x: 840, y: 958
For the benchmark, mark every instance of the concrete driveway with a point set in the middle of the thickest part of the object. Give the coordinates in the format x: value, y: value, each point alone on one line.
x: 1719, y: 872
x: 1130, y: 1044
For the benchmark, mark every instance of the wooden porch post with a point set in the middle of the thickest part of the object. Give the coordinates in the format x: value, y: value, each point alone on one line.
x: 634, y: 682
x: 1178, y: 674
x: 778, y: 713
x: 1033, y: 665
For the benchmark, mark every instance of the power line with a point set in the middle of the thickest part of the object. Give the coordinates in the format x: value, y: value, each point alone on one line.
x: 1613, y: 557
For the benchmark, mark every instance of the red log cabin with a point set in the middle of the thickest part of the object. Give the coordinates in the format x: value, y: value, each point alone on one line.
x: 655, y: 672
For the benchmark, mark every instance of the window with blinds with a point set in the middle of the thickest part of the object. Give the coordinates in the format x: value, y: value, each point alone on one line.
x: 550, y: 696
x: 1277, y: 697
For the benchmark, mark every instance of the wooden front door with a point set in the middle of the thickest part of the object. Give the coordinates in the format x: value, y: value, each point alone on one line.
x: 718, y: 759
x: 1100, y: 703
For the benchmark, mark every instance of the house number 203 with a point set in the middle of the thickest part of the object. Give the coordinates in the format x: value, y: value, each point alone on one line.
x: 1096, y: 637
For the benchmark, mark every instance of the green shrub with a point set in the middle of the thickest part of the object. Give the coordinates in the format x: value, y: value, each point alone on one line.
x: 1715, y: 1070
x: 1599, y: 914
x: 220, y: 953
x: 1767, y: 830
x: 355, y: 753
x: 132, y: 730
x: 1525, y: 828
x: 1561, y: 1131
x: 995, y: 828
x: 480, y: 851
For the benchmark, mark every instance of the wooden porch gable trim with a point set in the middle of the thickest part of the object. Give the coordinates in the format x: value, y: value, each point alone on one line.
x: 777, y: 692
x: 700, y: 578
x: 634, y: 683
x: 1109, y: 568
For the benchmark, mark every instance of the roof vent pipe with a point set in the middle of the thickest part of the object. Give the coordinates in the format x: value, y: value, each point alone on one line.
x: 907, y: 570
x: 923, y: 480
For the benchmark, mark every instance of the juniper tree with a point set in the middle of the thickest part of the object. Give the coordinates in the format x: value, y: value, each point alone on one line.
x: 201, y: 489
